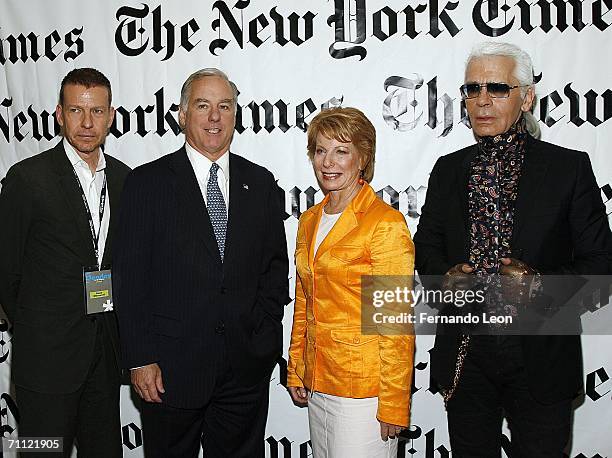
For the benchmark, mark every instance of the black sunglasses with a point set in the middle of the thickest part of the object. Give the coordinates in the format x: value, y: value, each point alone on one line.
x: 495, y: 90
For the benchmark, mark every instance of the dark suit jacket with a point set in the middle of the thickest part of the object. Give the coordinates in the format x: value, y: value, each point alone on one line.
x: 45, y: 242
x: 560, y: 227
x: 178, y: 304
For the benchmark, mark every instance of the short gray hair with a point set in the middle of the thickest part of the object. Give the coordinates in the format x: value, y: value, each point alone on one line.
x: 523, y: 72
x: 203, y: 73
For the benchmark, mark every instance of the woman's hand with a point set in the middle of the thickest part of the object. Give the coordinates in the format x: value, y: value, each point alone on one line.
x: 387, y: 430
x: 299, y: 395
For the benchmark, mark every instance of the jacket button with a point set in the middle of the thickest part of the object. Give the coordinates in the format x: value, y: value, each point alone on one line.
x: 223, y: 290
x: 356, y: 339
x: 220, y: 329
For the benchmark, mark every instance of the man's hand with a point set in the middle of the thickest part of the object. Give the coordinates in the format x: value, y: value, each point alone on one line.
x: 517, y: 280
x: 387, y: 430
x: 515, y: 267
x: 299, y: 395
x: 458, y: 277
x: 147, y: 381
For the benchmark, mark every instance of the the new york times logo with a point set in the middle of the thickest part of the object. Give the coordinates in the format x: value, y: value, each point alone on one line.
x: 281, y: 447
x: 141, y: 28
x: 352, y: 23
x: 240, y: 24
x: 32, y: 46
x: 402, y: 108
x: 409, y: 200
x: 421, y: 440
x: 409, y: 103
x: 157, y: 116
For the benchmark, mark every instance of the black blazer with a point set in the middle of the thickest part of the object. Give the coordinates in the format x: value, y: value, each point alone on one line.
x: 45, y: 242
x: 178, y: 304
x: 560, y: 227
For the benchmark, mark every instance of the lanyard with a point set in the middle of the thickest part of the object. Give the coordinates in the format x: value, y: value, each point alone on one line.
x: 94, y: 237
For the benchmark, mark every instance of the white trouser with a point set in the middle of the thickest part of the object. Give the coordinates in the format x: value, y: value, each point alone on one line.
x: 346, y: 427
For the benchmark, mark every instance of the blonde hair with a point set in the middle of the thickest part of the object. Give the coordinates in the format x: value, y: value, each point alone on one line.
x: 346, y: 125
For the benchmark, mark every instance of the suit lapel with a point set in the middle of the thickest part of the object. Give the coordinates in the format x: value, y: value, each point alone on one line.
x: 463, y: 177
x: 347, y: 221
x: 239, y: 190
x: 73, y: 195
x: 312, y: 226
x: 113, y: 184
x: 190, y: 197
x: 532, y: 177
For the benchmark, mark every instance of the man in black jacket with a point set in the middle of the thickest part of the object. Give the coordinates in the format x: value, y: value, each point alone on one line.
x: 201, y: 283
x: 58, y: 211
x: 509, y: 204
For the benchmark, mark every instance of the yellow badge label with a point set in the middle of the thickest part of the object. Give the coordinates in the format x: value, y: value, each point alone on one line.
x: 98, y: 294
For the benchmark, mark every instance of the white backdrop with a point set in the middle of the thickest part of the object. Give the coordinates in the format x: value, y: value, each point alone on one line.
x: 400, y: 61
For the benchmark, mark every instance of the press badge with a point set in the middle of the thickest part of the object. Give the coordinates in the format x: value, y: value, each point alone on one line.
x: 98, y: 291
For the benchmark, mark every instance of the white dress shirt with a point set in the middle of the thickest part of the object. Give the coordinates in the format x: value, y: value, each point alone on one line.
x: 201, y: 166
x: 92, y: 187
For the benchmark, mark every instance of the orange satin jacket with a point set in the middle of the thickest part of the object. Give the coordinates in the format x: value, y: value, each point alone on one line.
x: 328, y: 353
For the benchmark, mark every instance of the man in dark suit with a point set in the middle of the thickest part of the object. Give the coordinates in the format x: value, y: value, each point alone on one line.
x: 512, y: 205
x: 58, y: 211
x: 201, y: 283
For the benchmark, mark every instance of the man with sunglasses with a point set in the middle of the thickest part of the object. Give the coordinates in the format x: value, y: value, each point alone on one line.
x: 515, y: 206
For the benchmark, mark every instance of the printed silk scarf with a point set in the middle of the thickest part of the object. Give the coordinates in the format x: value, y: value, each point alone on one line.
x: 492, y: 190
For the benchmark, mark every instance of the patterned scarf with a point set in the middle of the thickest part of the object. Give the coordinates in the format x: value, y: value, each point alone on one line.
x: 492, y: 190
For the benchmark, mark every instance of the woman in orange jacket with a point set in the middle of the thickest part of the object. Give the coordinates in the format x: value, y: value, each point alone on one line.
x: 356, y: 386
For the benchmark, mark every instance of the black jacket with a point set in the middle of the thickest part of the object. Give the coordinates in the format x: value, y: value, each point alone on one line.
x: 560, y: 227
x: 178, y: 304
x: 45, y: 241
